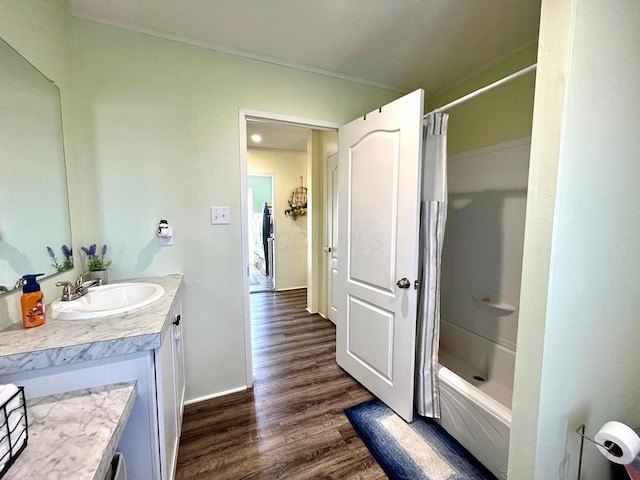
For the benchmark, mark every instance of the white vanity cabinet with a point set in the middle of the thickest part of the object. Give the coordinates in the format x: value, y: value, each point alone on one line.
x: 143, y: 346
x: 170, y: 384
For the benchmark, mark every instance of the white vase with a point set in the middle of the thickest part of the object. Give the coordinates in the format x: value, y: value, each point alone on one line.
x: 100, y: 275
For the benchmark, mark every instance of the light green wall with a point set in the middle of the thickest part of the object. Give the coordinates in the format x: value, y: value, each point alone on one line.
x: 158, y: 122
x: 40, y: 31
x: 581, y: 336
x: 499, y: 115
x: 262, y: 191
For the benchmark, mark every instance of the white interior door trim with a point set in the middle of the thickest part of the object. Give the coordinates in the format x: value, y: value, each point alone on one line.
x: 331, y: 235
x: 257, y: 115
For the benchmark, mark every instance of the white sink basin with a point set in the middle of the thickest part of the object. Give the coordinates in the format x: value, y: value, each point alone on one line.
x: 107, y: 300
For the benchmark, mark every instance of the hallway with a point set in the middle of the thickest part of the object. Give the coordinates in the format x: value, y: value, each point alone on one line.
x: 291, y: 424
x: 258, y: 282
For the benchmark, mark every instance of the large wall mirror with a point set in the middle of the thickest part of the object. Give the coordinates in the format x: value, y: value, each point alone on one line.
x: 34, y: 203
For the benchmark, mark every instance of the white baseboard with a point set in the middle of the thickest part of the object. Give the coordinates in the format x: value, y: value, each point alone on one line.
x: 290, y: 288
x: 214, y: 395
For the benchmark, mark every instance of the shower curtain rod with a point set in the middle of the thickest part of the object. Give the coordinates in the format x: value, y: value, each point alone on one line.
x: 488, y: 87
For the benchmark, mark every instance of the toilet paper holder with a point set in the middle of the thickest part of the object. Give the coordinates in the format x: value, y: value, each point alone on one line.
x: 611, y: 447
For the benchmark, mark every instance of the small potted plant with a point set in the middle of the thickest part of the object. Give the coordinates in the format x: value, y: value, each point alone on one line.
x: 96, y: 263
x: 66, y: 264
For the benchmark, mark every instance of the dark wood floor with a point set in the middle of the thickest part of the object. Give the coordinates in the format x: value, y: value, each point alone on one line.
x: 291, y: 425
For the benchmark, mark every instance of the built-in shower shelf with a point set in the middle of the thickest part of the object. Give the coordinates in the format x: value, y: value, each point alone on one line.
x: 500, y: 309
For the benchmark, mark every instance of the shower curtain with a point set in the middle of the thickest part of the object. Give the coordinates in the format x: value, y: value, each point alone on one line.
x: 433, y: 218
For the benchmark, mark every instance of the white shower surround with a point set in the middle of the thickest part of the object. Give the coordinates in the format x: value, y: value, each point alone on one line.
x: 482, y: 258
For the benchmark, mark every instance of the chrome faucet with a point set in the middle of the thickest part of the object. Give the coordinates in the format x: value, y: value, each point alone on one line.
x: 80, y: 279
x: 67, y: 294
x: 81, y: 284
x: 80, y: 288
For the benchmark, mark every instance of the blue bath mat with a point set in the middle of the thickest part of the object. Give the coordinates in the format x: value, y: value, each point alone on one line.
x: 420, y: 450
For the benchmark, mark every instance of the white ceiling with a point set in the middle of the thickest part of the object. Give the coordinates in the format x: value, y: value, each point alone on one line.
x: 277, y: 136
x: 400, y: 44
x: 397, y: 44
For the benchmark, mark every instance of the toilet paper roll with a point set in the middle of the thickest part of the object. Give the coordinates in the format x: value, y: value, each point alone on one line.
x: 622, y: 441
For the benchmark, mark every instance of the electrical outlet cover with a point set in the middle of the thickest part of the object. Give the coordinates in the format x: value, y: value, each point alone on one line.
x: 166, y: 241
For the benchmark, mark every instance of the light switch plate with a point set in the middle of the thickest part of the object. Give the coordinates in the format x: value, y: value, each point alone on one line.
x: 220, y: 216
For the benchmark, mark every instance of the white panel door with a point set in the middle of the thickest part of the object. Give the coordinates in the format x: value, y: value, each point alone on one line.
x: 331, y: 249
x: 379, y: 170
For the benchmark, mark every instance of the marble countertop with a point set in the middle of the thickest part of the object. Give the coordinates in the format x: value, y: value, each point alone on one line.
x: 60, y: 342
x: 75, y: 434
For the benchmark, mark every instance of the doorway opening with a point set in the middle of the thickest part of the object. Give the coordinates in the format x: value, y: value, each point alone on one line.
x: 260, y: 188
x: 296, y: 240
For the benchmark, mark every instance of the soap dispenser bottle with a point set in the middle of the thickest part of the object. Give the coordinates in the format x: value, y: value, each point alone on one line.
x: 32, y: 302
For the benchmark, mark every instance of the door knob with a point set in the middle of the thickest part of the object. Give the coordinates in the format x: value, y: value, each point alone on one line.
x: 326, y: 249
x: 404, y: 283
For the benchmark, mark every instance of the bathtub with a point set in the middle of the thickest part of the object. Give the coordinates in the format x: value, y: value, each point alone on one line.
x: 476, y: 385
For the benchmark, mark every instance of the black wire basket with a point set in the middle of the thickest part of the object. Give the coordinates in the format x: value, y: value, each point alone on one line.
x: 13, y: 430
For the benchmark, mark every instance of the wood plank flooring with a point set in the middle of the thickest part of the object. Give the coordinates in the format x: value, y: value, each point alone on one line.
x: 261, y: 284
x: 291, y: 425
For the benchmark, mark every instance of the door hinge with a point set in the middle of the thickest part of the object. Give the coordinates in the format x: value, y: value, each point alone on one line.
x: 415, y: 285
